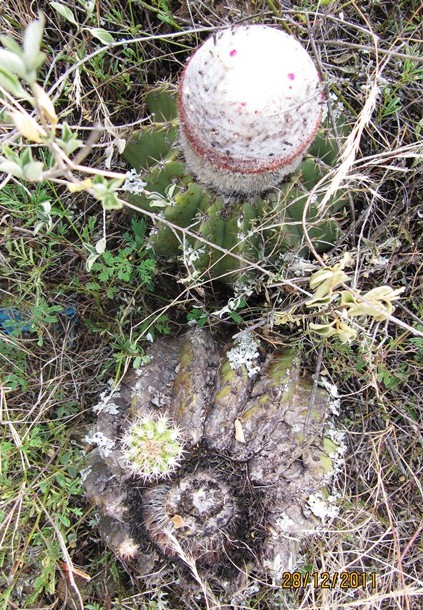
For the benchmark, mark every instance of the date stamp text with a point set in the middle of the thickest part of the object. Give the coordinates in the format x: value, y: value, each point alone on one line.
x: 327, y: 580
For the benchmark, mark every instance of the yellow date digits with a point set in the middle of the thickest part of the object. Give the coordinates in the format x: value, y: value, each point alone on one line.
x: 326, y: 580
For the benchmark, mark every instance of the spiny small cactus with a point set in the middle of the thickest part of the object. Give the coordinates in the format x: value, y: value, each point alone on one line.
x: 152, y: 447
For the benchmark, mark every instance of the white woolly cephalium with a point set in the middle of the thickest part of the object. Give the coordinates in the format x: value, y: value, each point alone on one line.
x: 250, y: 103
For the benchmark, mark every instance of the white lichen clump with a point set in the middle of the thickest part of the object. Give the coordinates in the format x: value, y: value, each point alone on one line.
x: 250, y: 103
x: 325, y: 509
x: 133, y: 183
x: 104, y: 444
x: 245, y: 353
x: 106, y: 404
x: 152, y: 447
x: 335, y: 401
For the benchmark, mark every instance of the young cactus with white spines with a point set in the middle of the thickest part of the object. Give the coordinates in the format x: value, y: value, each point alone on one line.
x: 152, y: 447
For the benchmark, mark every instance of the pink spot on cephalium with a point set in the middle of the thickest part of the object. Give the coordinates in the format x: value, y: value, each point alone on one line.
x: 233, y: 52
x: 291, y: 76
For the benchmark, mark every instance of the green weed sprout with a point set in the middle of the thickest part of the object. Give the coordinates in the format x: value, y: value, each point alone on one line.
x: 152, y: 447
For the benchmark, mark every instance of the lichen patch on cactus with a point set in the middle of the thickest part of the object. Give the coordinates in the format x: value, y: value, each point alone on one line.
x: 246, y: 118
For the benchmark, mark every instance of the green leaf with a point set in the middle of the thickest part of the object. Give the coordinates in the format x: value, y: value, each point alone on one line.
x: 33, y: 171
x: 64, y: 12
x: 324, y: 330
x: 100, y: 246
x: 69, y: 141
x: 323, y: 282
x: 137, y: 362
x: 12, y: 63
x: 10, y: 43
x: 110, y: 201
x: 90, y: 261
x: 235, y: 317
x: 10, y: 154
x: 101, y: 35
x: 10, y: 167
x: 70, y: 147
x: 93, y: 286
x: 11, y: 83
x: 88, y: 6
x: 26, y: 156
x: 335, y: 328
x: 33, y: 56
x: 105, y: 191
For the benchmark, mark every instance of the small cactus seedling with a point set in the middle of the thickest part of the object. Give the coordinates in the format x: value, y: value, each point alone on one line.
x: 152, y: 447
x: 250, y: 227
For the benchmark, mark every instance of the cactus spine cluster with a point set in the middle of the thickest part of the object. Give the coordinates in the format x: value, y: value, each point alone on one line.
x: 152, y: 447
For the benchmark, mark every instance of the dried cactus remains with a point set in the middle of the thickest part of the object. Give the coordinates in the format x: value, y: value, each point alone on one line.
x: 257, y: 455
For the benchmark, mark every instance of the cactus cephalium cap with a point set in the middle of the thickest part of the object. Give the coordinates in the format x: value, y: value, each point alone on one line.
x: 250, y: 103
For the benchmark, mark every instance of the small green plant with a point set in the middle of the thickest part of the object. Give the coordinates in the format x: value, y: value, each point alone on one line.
x: 417, y: 342
x: 412, y: 72
x: 391, y: 379
x: 162, y: 8
x: 18, y: 76
x: 48, y: 510
x: 131, y: 264
x: 339, y: 306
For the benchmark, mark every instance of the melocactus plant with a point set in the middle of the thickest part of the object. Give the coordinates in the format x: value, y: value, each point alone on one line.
x: 151, y: 447
x: 243, y: 160
x: 250, y: 103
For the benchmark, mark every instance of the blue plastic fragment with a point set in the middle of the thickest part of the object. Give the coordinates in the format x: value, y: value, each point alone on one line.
x: 12, y: 319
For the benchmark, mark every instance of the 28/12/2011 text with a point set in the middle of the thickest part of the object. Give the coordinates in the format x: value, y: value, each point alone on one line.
x: 326, y: 580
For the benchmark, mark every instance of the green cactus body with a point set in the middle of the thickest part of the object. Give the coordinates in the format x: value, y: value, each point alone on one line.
x: 250, y: 230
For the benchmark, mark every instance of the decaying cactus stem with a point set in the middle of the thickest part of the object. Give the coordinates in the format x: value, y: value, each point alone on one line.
x: 252, y: 482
